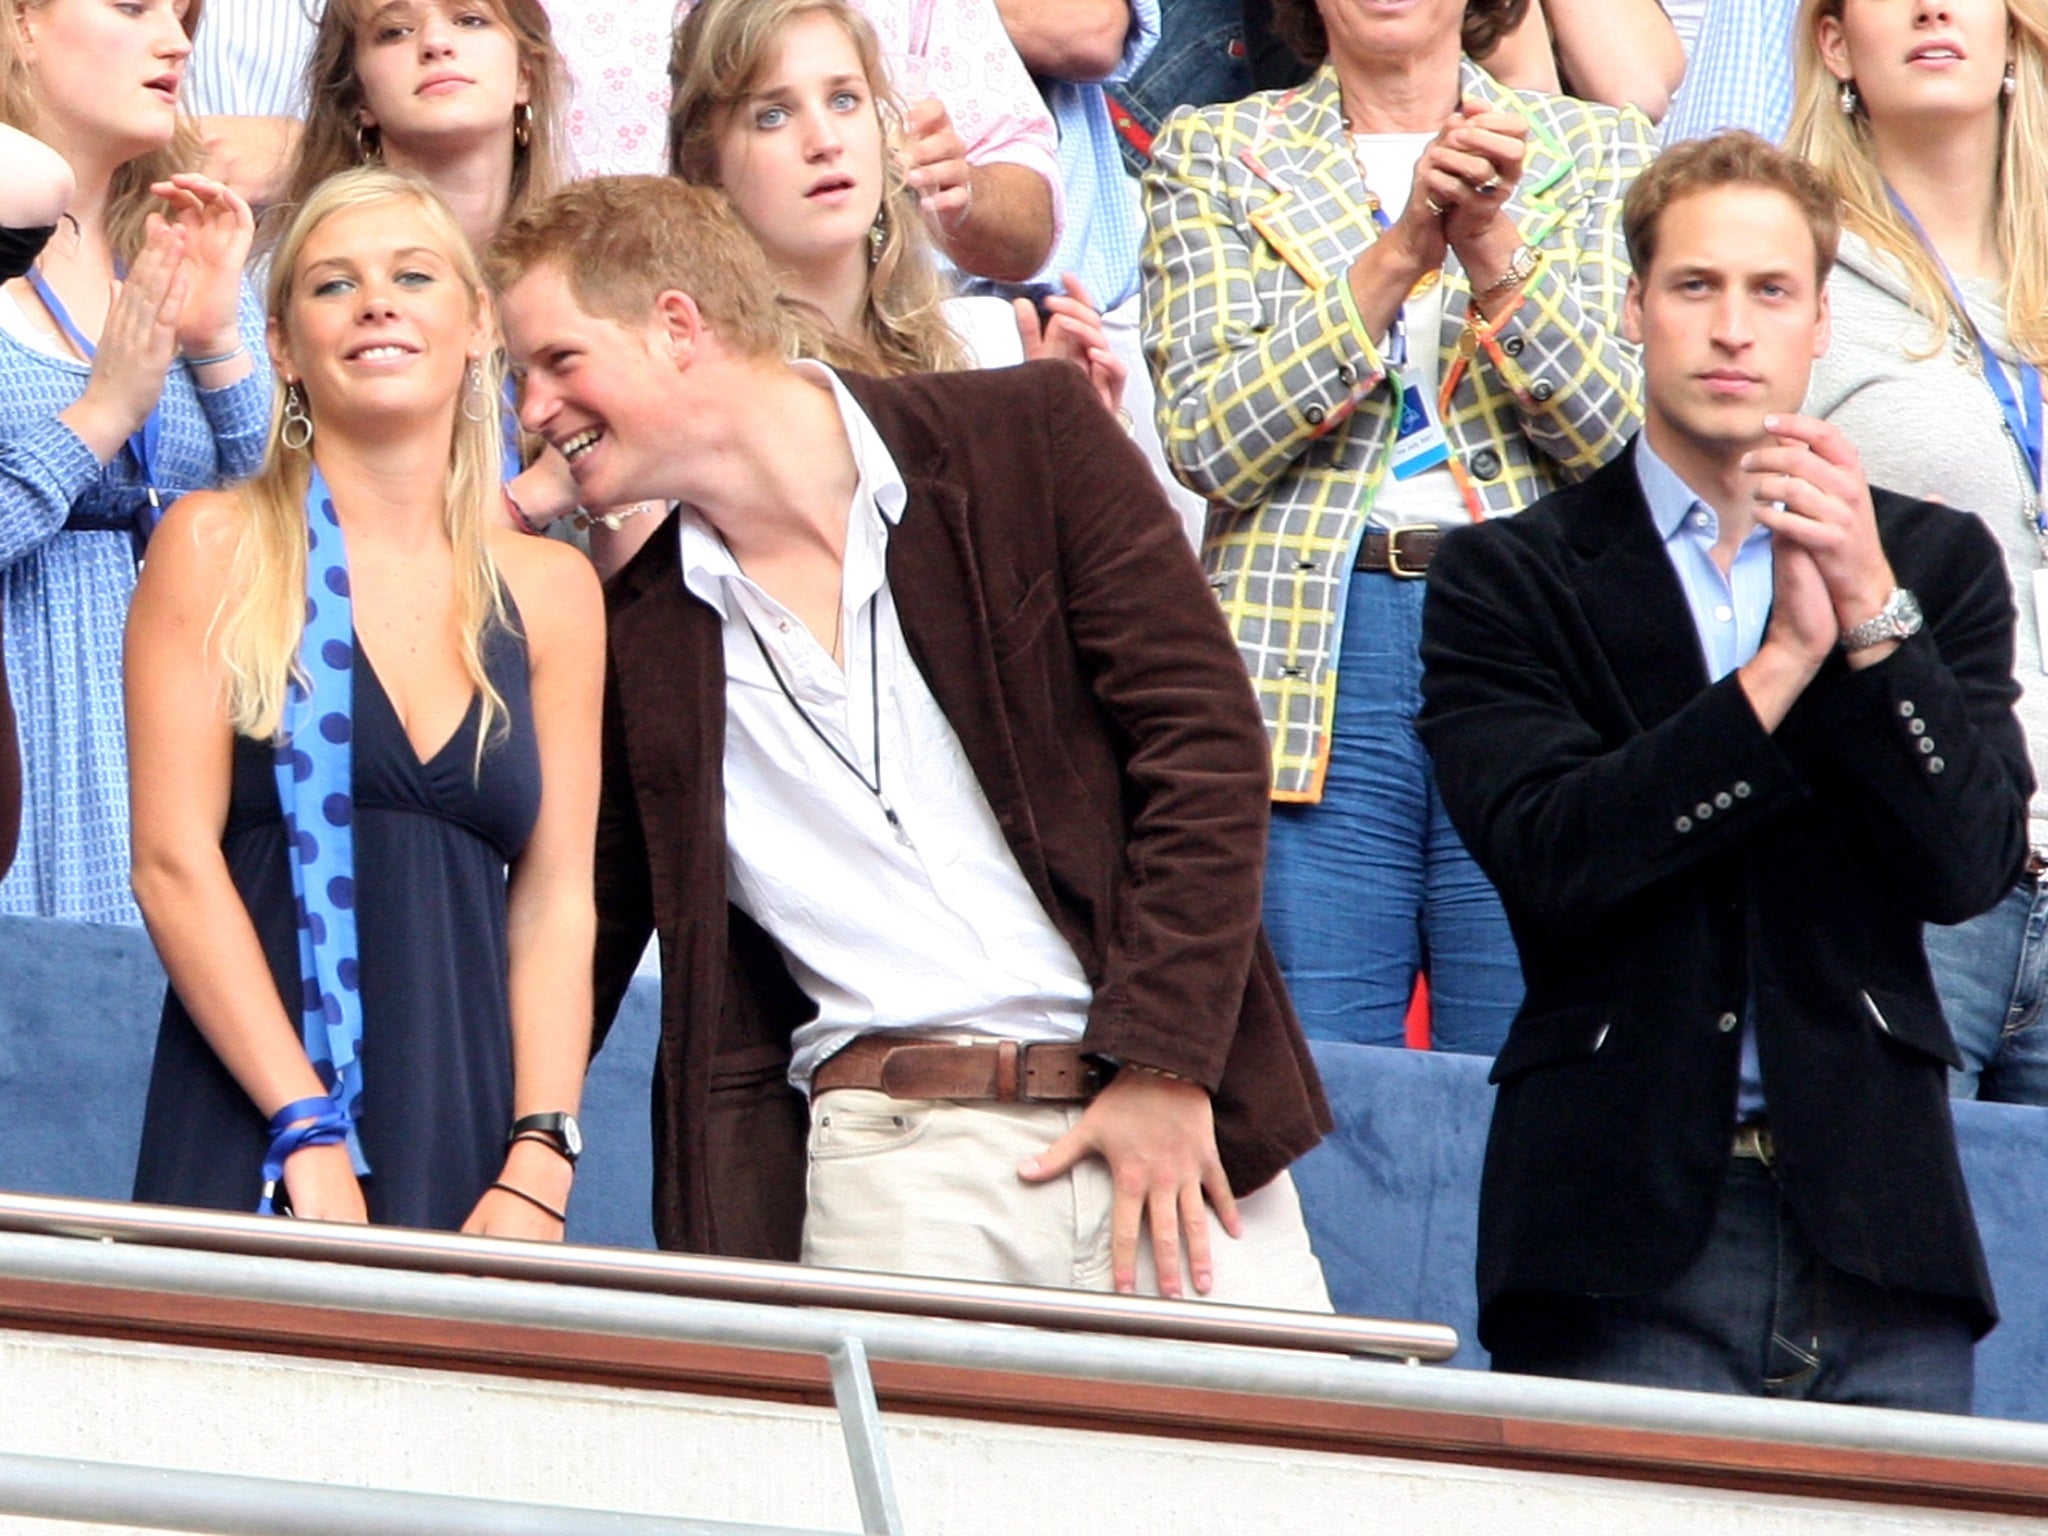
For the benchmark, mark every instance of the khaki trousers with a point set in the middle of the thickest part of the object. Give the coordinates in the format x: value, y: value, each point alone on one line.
x: 929, y: 1187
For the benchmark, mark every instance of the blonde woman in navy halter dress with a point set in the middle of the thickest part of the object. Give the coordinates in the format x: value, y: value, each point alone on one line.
x: 364, y: 743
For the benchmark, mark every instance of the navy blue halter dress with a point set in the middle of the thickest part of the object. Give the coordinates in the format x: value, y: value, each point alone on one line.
x: 433, y: 840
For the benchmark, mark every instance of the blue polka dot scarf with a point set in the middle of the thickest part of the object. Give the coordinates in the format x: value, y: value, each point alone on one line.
x: 315, y: 786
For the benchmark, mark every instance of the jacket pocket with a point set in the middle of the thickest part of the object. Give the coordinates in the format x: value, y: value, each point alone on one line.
x: 1912, y: 1019
x: 1551, y: 1039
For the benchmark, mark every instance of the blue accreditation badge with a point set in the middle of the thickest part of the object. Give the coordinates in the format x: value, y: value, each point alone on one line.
x: 1419, y: 445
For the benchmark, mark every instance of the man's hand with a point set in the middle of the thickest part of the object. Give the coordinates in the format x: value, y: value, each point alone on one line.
x: 936, y: 164
x: 1812, y: 494
x: 1158, y: 1135
x: 1803, y: 631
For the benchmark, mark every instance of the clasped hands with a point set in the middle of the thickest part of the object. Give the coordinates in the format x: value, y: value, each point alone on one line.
x: 1829, y: 572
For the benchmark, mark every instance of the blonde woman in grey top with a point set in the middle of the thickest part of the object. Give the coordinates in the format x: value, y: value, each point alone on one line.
x: 1931, y: 119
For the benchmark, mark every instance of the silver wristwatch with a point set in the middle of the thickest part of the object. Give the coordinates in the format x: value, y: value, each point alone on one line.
x: 1899, y: 618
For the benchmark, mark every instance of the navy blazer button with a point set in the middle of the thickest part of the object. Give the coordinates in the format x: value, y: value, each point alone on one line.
x: 1726, y: 1022
x: 1315, y: 415
x: 1917, y: 727
x: 1542, y: 390
x: 1684, y: 823
x: 1742, y: 789
x: 1906, y: 708
x: 1485, y: 464
x: 1926, y: 744
x: 1724, y: 800
x: 1703, y: 810
x: 1935, y: 765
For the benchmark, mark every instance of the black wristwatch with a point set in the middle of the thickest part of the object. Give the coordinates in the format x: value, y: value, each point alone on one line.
x: 558, y: 1126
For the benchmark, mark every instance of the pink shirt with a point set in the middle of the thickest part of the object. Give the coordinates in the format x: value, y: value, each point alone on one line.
x: 617, y: 52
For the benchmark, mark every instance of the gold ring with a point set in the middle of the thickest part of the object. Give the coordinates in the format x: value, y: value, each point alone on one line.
x: 1433, y: 206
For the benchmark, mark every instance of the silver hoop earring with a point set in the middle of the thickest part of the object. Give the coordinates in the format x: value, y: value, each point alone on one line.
x: 476, y: 404
x: 1846, y: 99
x: 297, y: 431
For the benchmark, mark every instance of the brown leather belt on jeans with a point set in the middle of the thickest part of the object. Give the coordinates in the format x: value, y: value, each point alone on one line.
x: 1402, y: 552
x: 911, y: 1067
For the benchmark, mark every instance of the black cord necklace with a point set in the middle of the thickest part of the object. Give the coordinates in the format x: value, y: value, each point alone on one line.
x: 872, y: 786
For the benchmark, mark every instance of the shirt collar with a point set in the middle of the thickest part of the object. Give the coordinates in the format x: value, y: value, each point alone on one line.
x: 707, y: 562
x: 1670, y: 498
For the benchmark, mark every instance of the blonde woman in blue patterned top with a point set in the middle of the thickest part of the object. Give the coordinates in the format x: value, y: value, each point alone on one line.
x: 110, y: 407
x: 1377, y: 306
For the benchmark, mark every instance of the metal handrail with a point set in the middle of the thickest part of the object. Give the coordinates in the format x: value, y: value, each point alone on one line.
x: 962, y: 1345
x: 673, y: 1274
x: 175, y: 1499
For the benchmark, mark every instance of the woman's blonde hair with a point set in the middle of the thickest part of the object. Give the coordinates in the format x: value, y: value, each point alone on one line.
x: 262, y: 616
x: 129, y: 200
x: 723, y: 52
x: 334, y: 139
x: 1838, y: 143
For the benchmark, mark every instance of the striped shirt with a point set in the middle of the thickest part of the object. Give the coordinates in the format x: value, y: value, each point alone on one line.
x: 1739, y: 74
x: 249, y: 59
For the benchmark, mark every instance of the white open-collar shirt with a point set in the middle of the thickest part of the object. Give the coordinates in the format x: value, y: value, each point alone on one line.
x: 933, y: 931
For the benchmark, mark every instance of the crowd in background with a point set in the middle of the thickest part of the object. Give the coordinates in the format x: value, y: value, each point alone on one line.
x: 1347, y: 277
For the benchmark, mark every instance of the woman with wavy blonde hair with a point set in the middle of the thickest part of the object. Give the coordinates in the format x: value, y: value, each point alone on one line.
x: 355, y: 703
x: 1930, y: 118
x: 787, y: 107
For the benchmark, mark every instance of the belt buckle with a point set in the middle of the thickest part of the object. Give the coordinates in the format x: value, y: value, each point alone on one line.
x: 1753, y: 1141
x: 1394, y: 565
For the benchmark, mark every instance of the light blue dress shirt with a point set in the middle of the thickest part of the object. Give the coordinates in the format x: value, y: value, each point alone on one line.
x: 1739, y: 72
x: 1729, y: 612
x: 1099, y: 242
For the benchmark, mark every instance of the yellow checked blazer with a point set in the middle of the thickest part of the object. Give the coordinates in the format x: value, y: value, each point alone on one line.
x: 1273, y: 400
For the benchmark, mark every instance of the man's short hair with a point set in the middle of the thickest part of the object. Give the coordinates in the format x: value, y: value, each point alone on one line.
x: 623, y: 241
x: 1732, y: 159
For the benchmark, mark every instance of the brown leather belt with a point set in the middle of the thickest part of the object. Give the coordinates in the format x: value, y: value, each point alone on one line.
x: 1401, y: 552
x: 998, y: 1070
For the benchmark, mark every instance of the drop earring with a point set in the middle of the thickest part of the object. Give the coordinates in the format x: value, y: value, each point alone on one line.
x: 878, y: 234
x: 1846, y: 99
x: 2011, y: 82
x: 476, y: 403
x: 296, y: 432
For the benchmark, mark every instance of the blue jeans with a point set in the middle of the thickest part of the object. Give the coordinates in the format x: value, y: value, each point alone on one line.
x: 1990, y: 974
x: 1759, y: 1314
x: 1372, y: 885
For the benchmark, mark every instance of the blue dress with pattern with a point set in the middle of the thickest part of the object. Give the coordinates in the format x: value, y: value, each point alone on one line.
x: 66, y: 595
x: 434, y: 839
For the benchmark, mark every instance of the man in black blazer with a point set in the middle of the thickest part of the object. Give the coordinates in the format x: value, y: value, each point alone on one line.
x: 1726, y: 726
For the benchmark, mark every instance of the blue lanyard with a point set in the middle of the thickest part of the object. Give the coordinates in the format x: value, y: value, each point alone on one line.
x: 144, y: 443
x: 2023, y: 410
x: 512, y: 464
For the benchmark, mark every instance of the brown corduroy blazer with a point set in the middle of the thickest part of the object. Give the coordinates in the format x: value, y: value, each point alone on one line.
x: 1055, y: 610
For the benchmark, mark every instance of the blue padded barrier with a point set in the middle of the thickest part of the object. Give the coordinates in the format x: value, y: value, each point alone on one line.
x: 1392, y: 1204
x: 1390, y: 1197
